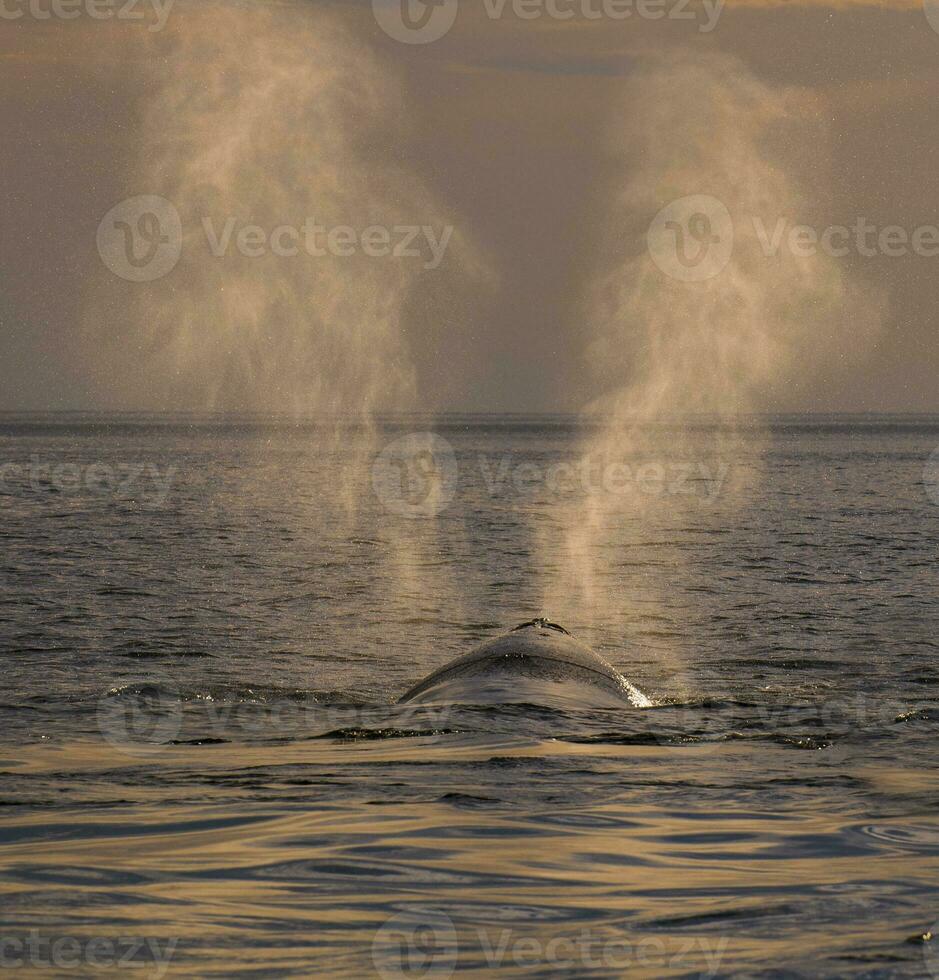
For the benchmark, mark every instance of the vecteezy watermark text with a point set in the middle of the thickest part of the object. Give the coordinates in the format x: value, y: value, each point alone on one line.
x: 417, y: 475
x: 132, y: 10
x: 141, y: 239
x: 287, y: 241
x: 611, y: 10
x: 425, y: 942
x: 36, y: 950
x: 693, y: 238
x: 862, y: 237
x: 146, y: 717
x: 424, y: 21
x: 127, y: 480
x: 594, y: 473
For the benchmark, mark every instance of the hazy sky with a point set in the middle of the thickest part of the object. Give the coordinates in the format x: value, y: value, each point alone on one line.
x: 525, y: 136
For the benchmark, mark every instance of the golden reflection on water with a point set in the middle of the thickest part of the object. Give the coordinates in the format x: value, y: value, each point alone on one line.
x: 620, y: 882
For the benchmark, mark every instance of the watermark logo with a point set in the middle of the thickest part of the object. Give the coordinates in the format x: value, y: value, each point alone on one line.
x: 692, y: 239
x: 416, y: 475
x: 689, y: 720
x: 423, y: 21
x: 611, y: 10
x: 596, y: 473
x: 144, y: 719
x: 415, y: 21
x: 932, y: 13
x: 931, y: 477
x: 425, y: 944
x: 141, y: 239
x: 416, y: 944
x: 140, y: 718
x: 340, y: 241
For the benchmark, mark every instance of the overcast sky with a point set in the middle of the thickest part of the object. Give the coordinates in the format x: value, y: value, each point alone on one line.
x: 522, y: 135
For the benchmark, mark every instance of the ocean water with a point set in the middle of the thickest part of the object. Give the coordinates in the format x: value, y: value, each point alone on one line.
x: 205, y: 625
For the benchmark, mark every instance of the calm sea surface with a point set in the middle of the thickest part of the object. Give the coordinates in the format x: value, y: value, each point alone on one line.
x: 204, y: 627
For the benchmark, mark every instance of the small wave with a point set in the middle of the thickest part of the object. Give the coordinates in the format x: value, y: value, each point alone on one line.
x: 915, y: 837
x: 377, y: 734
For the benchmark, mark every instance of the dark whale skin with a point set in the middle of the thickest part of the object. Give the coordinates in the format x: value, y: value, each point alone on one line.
x: 537, y: 663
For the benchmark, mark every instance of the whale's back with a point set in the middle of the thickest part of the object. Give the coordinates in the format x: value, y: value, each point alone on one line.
x: 537, y: 662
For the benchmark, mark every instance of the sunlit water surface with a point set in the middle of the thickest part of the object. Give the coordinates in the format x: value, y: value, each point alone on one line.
x: 200, y: 746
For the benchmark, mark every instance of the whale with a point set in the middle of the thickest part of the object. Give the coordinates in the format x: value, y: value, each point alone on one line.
x: 537, y: 662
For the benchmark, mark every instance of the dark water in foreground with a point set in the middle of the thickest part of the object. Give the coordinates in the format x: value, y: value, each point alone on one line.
x: 202, y: 772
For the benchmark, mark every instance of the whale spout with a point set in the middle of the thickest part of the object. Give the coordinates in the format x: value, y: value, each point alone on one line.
x: 537, y: 662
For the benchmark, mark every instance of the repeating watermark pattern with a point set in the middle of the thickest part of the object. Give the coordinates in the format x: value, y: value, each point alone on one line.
x: 424, y: 21
x: 932, y: 13
x: 142, y: 482
x: 693, y: 238
x: 154, y: 13
x: 931, y: 476
x: 141, y: 239
x: 141, y: 718
x: 416, y: 475
x: 147, y: 717
x: 596, y: 474
x: 39, y: 951
x: 342, y: 241
x: 699, y: 727
x: 425, y: 943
